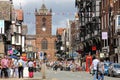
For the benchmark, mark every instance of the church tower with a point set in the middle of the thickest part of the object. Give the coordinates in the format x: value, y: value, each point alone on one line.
x: 43, y: 21
x: 45, y: 41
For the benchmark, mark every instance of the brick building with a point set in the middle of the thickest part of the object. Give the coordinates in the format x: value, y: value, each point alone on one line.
x: 110, y: 23
x: 45, y: 41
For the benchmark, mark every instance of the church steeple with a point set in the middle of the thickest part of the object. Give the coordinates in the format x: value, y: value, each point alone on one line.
x: 43, y: 10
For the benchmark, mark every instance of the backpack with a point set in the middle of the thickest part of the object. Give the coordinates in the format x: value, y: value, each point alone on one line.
x: 99, y: 68
x: 20, y: 64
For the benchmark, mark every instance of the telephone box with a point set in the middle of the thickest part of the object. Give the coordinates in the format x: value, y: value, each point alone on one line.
x: 88, y: 63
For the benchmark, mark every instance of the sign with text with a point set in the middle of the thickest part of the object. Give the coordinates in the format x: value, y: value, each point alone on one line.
x: 104, y: 35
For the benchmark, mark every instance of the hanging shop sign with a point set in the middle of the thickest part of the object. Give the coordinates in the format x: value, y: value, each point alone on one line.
x: 104, y: 35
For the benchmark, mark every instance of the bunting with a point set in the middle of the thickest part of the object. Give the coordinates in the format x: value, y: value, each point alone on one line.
x: 31, y: 13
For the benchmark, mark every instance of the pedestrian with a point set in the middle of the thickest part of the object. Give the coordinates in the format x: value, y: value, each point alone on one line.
x: 30, y: 68
x: 21, y: 64
x: 4, y: 64
x: 34, y: 65
x: 15, y: 68
x: 94, y: 66
x: 100, y: 69
x: 10, y: 67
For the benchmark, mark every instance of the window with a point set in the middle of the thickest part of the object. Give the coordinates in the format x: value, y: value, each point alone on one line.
x: 43, y: 23
x: 44, y: 44
x: 17, y: 38
x: 118, y: 20
x: 43, y: 19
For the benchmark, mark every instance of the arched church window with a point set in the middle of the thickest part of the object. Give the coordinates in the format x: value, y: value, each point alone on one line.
x: 44, y: 44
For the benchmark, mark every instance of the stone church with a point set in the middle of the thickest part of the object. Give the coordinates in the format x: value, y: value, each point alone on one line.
x: 44, y: 39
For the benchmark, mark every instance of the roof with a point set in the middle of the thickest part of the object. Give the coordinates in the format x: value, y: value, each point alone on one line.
x: 19, y: 13
x: 60, y: 31
x: 30, y: 37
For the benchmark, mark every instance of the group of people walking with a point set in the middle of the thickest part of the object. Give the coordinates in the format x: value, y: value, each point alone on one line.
x: 14, y: 67
x: 98, y: 68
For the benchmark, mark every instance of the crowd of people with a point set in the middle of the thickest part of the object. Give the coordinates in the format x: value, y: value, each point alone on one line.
x: 97, y: 66
x: 10, y: 67
x: 64, y: 65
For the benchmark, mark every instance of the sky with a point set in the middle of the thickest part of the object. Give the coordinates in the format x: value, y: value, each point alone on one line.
x: 61, y: 9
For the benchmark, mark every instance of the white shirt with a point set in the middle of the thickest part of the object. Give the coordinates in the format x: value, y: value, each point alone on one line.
x: 95, y: 62
x: 30, y: 64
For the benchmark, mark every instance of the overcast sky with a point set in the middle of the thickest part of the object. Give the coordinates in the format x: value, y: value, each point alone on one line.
x: 62, y: 10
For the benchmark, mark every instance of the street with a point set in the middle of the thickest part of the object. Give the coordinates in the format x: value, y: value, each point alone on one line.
x: 73, y: 35
x: 68, y: 75
x: 63, y: 75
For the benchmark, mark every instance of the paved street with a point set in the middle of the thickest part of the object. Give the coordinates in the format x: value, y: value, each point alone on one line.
x: 63, y: 75
x: 67, y: 75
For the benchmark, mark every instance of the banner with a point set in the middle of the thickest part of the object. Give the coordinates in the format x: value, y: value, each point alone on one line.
x: 41, y: 55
